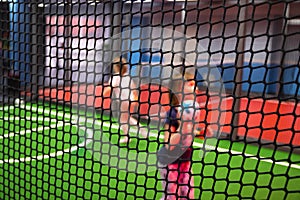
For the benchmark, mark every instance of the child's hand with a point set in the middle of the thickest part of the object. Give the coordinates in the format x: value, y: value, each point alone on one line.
x: 187, y: 127
x: 204, y: 132
x: 107, y: 91
x: 135, y: 95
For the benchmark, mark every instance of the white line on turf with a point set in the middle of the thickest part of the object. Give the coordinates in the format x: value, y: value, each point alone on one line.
x: 23, y: 132
x: 108, y: 124
x: 247, y: 155
x: 31, y: 118
x: 40, y: 157
x: 51, y: 155
x: 44, y: 110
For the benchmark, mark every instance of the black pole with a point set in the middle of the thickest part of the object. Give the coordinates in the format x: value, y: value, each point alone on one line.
x: 116, y: 26
x: 34, y: 87
x: 239, y: 67
x: 67, y: 43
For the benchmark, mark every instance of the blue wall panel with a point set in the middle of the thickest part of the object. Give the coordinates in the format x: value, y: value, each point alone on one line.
x: 20, y: 39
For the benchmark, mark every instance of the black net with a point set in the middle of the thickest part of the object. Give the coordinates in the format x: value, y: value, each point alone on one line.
x: 149, y: 99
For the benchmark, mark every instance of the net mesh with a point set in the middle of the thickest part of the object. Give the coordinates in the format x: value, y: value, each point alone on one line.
x: 66, y: 110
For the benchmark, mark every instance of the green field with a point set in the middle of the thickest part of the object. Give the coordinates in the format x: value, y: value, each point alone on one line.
x: 50, y: 151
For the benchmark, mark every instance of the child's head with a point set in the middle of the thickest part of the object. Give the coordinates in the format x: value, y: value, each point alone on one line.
x: 120, y: 65
x: 182, y: 85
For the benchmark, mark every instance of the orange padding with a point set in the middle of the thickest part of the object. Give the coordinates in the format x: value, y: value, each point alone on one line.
x: 269, y: 120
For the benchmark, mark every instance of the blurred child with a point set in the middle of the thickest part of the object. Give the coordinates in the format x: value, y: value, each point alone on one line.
x: 125, y: 94
x: 179, y: 131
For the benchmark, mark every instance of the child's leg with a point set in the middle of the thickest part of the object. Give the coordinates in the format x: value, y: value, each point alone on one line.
x: 163, y: 176
x: 142, y: 130
x: 186, y: 181
x: 124, y: 120
x: 169, y: 183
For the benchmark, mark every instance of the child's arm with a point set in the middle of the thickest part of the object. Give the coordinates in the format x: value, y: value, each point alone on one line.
x: 106, y: 91
x: 174, y: 140
x: 176, y: 137
x: 134, y: 91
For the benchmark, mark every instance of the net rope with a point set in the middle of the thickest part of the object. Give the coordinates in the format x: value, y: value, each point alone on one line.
x: 149, y: 99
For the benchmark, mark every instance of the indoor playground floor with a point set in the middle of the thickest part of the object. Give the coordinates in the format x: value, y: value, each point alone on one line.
x: 44, y: 154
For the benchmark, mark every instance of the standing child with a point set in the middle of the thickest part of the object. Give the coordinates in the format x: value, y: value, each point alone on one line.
x: 126, y: 93
x: 176, y: 153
